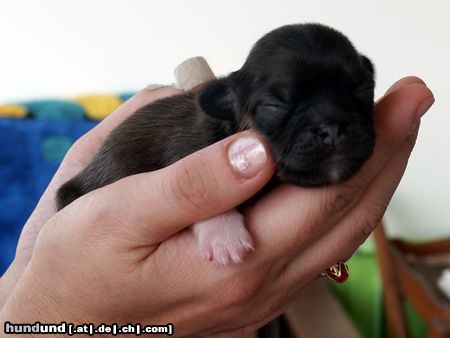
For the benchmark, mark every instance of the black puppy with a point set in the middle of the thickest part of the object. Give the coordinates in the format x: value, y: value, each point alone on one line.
x: 304, y: 87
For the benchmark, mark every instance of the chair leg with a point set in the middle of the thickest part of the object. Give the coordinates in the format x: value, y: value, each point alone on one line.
x: 397, y: 326
x: 437, y: 329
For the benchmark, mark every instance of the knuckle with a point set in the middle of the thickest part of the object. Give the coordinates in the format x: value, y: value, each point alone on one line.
x: 340, y: 202
x: 190, y: 188
x: 364, y: 227
x: 341, y: 199
x: 100, y: 214
x: 49, y: 236
x: 411, y: 139
x: 367, y: 221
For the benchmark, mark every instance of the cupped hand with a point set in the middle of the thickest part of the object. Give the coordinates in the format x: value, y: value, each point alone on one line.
x: 121, y: 254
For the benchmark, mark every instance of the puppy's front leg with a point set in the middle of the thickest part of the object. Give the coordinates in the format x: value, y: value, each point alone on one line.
x: 223, y: 238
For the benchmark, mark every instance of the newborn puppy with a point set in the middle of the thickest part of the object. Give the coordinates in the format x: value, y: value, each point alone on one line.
x: 304, y: 87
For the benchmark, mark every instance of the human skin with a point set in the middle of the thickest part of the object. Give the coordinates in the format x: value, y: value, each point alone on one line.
x: 122, y: 254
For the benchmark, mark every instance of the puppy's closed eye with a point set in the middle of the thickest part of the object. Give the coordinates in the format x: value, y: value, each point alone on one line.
x: 269, y: 116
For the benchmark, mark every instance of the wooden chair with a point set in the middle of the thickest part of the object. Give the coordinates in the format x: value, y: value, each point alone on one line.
x: 316, y: 313
x: 409, y: 272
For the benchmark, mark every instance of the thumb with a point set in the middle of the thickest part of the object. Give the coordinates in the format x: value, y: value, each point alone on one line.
x: 156, y: 205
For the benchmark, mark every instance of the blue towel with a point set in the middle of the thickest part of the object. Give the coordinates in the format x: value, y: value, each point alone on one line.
x: 30, y: 153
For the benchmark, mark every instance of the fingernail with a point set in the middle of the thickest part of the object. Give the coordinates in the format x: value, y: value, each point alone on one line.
x: 424, y: 106
x: 247, y: 156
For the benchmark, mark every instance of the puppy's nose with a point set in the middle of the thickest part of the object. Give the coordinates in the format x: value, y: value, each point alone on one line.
x: 332, y: 134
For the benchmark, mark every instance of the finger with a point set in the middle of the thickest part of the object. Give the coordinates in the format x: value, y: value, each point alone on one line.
x: 408, y: 80
x: 395, y: 115
x: 155, y: 205
x: 343, y: 239
x: 289, y: 218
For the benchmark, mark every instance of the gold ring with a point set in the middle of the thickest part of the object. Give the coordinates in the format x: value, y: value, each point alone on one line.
x: 338, y: 272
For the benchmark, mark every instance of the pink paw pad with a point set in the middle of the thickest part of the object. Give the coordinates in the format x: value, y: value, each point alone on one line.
x: 223, y: 238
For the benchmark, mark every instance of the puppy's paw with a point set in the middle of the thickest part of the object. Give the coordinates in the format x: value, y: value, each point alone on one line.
x: 223, y: 238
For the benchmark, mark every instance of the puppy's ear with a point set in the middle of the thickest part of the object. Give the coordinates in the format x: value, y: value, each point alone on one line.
x: 218, y: 100
x: 367, y: 64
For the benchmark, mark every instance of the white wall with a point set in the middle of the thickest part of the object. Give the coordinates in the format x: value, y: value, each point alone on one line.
x: 65, y: 48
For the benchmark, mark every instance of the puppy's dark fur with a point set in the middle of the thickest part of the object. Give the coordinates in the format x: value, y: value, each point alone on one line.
x: 304, y: 87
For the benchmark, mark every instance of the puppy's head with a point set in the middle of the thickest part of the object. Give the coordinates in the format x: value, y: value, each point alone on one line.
x: 308, y: 90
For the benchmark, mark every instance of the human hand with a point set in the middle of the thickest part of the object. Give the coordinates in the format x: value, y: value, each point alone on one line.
x: 298, y: 232
x: 75, y: 160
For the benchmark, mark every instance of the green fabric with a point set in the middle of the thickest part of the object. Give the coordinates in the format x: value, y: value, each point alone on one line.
x: 54, y: 109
